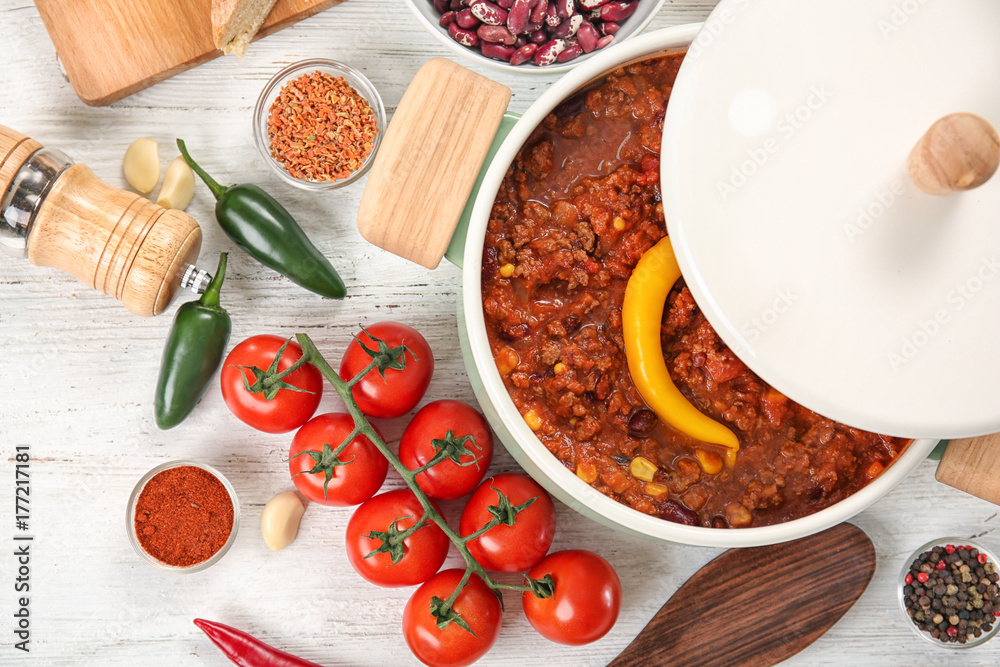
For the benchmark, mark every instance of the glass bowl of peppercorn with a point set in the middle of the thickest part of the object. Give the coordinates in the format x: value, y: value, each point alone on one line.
x: 182, y: 516
x: 948, y: 590
x: 318, y: 124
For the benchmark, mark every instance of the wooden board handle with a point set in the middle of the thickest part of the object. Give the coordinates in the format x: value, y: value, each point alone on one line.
x: 430, y: 157
x: 115, y: 241
x: 959, y: 152
x: 973, y: 465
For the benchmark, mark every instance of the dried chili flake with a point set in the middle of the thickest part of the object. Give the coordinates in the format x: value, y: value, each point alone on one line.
x: 321, y: 129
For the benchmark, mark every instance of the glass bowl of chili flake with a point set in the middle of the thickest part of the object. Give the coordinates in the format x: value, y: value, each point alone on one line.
x: 949, y: 593
x: 318, y: 123
x: 182, y: 516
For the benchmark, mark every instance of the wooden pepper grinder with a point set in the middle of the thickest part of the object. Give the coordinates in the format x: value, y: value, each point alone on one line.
x: 59, y: 214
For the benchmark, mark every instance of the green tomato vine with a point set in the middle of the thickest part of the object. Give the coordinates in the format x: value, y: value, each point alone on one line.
x: 269, y: 382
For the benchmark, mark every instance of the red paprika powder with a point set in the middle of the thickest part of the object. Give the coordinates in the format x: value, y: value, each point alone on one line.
x: 183, y: 516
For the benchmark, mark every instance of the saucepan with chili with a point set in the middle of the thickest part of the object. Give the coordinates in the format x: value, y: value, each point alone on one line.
x: 674, y: 439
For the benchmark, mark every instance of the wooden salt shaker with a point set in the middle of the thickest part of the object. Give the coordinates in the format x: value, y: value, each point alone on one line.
x: 59, y: 214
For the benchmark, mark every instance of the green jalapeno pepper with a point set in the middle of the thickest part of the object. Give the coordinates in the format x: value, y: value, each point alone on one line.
x: 193, y: 353
x: 268, y: 233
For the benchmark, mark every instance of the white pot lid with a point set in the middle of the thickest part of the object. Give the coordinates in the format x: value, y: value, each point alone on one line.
x: 797, y: 227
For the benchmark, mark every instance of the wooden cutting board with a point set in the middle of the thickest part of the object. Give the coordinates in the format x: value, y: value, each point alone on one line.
x: 113, y: 48
x: 757, y: 607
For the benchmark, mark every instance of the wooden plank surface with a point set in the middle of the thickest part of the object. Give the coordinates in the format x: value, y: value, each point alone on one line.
x: 113, y: 48
x: 79, y: 370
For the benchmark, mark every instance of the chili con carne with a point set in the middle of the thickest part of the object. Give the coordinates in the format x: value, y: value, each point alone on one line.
x: 576, y: 211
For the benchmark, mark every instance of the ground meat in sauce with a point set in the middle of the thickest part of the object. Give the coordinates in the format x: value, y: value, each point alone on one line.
x: 577, y: 209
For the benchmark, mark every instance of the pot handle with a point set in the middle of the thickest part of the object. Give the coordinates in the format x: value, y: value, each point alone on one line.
x: 430, y: 157
x: 973, y: 465
x: 456, y: 248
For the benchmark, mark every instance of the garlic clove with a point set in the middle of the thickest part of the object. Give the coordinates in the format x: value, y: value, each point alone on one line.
x: 141, y: 164
x: 178, y: 186
x: 279, y: 522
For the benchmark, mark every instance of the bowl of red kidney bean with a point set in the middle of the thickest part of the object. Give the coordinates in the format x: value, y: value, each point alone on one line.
x: 533, y: 36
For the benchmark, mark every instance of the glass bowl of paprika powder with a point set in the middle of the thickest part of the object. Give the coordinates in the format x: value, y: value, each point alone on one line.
x: 932, y: 584
x: 318, y: 124
x: 182, y: 516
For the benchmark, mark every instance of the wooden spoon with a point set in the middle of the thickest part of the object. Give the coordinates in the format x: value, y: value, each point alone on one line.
x: 757, y: 606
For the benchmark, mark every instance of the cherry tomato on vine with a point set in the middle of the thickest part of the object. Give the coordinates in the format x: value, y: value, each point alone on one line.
x: 419, y: 556
x: 509, y: 548
x: 587, y: 599
x: 447, y: 426
x: 401, y: 388
x: 352, y: 477
x: 454, y: 646
x: 287, y: 408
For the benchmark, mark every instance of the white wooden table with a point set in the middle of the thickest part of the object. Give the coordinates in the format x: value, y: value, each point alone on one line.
x: 77, y: 373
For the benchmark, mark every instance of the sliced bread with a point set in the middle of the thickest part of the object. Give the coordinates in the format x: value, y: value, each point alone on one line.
x: 235, y: 22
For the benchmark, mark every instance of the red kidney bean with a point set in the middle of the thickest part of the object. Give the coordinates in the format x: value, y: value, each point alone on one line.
x: 488, y: 13
x: 544, y: 31
x: 570, y: 52
x: 466, y: 19
x: 565, y: 8
x: 548, y: 52
x: 587, y: 36
x: 523, y: 54
x: 518, y: 15
x: 673, y: 511
x: 618, y: 11
x: 496, y: 34
x: 551, y: 14
x: 540, y: 11
x: 568, y: 27
x: 463, y: 37
x: 498, y: 51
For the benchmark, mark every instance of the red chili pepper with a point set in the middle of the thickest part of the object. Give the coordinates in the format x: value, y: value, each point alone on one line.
x: 247, y: 651
x: 923, y: 577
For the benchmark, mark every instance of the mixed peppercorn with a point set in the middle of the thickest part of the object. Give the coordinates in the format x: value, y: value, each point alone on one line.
x: 951, y: 591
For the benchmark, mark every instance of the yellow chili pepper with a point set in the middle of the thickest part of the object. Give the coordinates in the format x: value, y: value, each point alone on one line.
x: 653, y: 278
